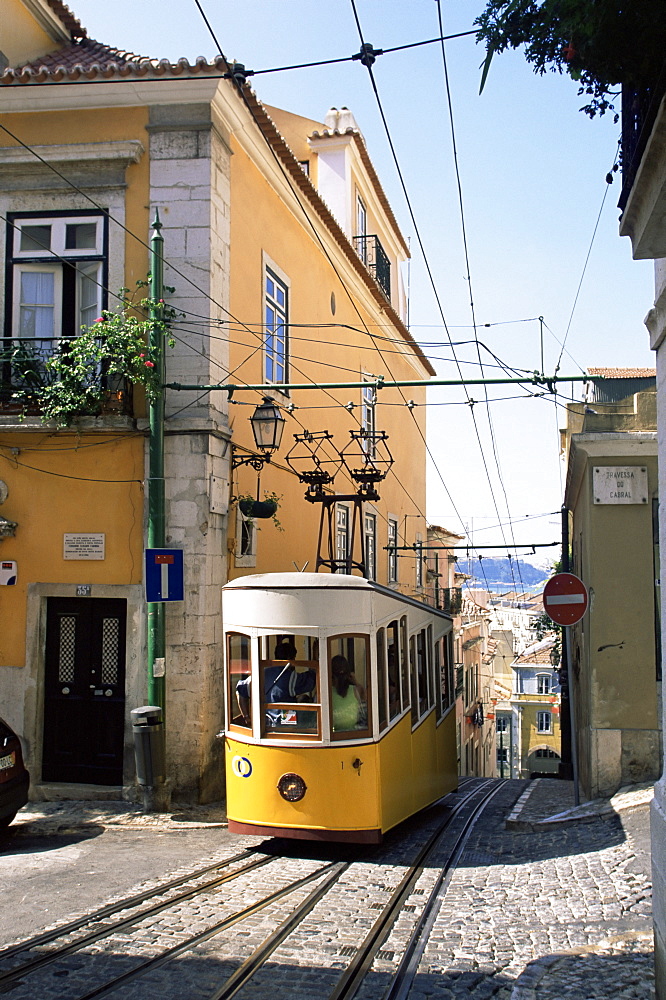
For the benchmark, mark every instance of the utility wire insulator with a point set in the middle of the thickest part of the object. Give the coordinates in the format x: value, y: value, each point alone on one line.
x: 367, y: 54
x: 238, y: 74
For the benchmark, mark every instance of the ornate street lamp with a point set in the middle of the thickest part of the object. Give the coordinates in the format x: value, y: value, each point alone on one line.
x: 267, y: 427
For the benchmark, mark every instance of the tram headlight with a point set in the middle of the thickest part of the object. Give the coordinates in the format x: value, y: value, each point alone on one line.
x: 292, y: 787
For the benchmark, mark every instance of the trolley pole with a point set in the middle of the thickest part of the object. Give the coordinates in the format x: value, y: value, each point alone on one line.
x: 156, y: 502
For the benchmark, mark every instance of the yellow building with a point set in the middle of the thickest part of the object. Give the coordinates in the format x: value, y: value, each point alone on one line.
x: 286, y: 262
x: 536, y: 741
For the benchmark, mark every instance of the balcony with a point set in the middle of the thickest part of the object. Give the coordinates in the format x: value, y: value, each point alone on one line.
x: 451, y: 600
x: 23, y: 373
x: 374, y: 257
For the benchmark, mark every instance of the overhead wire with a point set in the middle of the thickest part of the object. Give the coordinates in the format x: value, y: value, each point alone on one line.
x: 322, y: 245
x: 368, y: 64
x: 469, y: 276
x: 587, y: 257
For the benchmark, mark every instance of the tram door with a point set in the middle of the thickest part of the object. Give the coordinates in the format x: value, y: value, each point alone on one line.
x: 84, y: 698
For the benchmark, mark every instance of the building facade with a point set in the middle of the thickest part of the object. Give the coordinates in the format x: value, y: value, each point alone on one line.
x: 612, y: 493
x: 284, y: 255
x: 536, y: 738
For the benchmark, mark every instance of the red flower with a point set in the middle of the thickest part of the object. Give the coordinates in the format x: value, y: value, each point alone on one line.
x: 149, y: 364
x: 100, y: 319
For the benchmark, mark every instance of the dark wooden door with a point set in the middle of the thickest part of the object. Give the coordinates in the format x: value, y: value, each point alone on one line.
x: 84, y: 704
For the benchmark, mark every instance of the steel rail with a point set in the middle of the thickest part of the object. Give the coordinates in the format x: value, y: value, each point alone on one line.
x: 246, y: 971
x: 124, y: 904
x: 108, y: 929
x: 408, y: 968
x: 230, y: 921
x: 354, y: 975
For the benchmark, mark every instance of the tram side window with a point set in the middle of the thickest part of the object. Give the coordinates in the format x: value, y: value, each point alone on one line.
x: 446, y: 675
x: 381, y: 678
x: 238, y: 677
x: 430, y: 667
x: 289, y: 671
x: 348, y: 659
x: 422, y: 671
x: 421, y: 682
x: 440, y: 702
x: 393, y: 659
x: 404, y: 666
x: 412, y: 679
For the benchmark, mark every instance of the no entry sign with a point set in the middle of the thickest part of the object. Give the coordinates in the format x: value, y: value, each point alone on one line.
x: 565, y: 599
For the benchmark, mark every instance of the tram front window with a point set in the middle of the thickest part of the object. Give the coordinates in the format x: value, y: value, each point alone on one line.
x: 348, y: 659
x: 238, y: 660
x: 289, y: 682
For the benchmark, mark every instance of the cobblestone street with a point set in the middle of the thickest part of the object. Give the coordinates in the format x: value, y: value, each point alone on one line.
x: 546, y: 902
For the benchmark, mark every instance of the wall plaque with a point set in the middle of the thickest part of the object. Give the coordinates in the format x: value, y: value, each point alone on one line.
x: 620, y: 484
x: 83, y: 546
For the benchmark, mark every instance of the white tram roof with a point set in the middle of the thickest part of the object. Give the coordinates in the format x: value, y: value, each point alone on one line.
x: 323, y: 582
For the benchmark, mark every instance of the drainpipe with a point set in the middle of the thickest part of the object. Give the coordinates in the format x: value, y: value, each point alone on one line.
x: 156, y: 504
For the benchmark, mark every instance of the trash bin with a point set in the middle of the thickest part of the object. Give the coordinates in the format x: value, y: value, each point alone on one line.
x: 148, y: 731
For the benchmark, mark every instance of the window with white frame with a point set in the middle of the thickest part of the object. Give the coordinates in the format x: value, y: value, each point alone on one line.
x: 543, y: 683
x: 246, y: 540
x: 419, y: 561
x: 544, y: 722
x: 370, y: 532
x: 362, y: 228
x: 368, y: 403
x: 276, y: 331
x: 58, y: 274
x: 341, y: 538
x: 392, y: 550
x: 502, y: 724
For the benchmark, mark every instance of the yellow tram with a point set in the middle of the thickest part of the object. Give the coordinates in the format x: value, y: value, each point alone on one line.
x: 340, y: 706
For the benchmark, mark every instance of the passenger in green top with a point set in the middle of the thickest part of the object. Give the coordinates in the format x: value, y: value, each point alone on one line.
x: 346, y: 696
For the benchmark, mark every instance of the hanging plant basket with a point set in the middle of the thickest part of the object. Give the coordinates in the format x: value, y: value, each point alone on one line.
x: 258, y: 508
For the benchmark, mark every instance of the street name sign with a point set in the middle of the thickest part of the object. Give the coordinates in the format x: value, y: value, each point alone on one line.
x: 565, y: 599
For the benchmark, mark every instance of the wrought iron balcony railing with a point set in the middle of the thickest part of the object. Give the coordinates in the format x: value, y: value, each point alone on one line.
x: 639, y: 113
x: 374, y: 257
x: 23, y: 373
x: 451, y: 600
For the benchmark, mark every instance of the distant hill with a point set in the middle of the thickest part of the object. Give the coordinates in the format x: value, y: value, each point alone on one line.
x: 512, y: 573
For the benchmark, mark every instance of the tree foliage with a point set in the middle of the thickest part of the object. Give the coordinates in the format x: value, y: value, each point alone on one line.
x: 600, y: 43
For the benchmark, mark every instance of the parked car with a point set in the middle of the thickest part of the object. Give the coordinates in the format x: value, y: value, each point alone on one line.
x: 14, y: 779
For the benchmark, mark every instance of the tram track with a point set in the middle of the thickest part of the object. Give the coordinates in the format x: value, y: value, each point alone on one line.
x: 345, y: 985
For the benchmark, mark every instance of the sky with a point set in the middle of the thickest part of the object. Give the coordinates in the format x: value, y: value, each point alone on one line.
x: 531, y: 170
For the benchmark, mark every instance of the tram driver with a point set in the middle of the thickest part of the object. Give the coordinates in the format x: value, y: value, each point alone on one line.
x: 282, y: 683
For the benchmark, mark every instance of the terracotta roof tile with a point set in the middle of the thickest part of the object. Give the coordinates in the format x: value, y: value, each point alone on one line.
x: 85, y: 54
x: 623, y: 372
x: 90, y: 59
x: 72, y: 23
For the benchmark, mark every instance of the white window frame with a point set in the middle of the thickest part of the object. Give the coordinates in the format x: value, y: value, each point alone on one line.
x: 243, y: 523
x: 52, y: 260
x: 341, y: 531
x: 544, y: 681
x: 392, y: 536
x: 419, y: 562
x: 274, y: 358
x: 544, y: 722
x: 370, y: 544
x: 56, y: 271
x: 368, y: 418
x: 362, y: 228
x: 58, y: 224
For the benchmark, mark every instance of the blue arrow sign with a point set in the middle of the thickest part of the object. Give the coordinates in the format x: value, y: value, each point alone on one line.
x: 164, y: 575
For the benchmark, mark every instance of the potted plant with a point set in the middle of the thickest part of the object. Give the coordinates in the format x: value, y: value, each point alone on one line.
x: 252, y: 508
